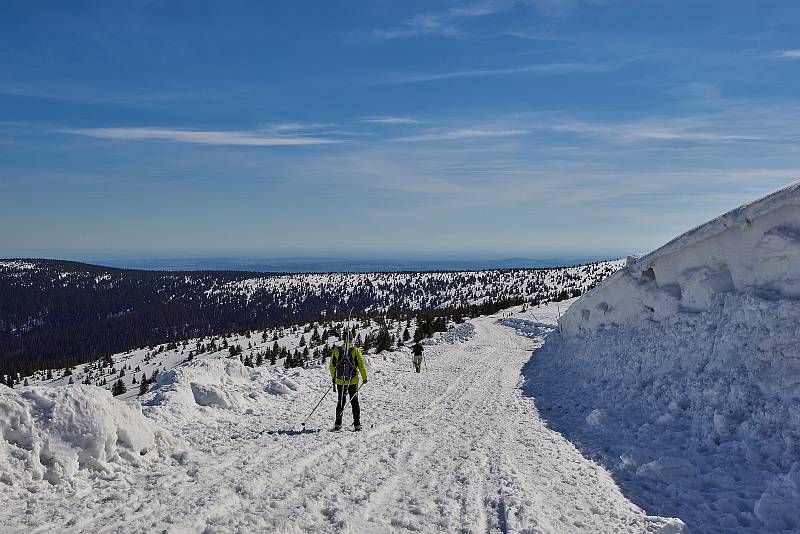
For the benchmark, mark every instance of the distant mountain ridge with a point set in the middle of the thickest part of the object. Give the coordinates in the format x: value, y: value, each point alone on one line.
x: 56, y: 313
x: 314, y: 265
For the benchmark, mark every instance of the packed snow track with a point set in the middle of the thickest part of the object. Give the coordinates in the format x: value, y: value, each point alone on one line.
x: 456, y: 448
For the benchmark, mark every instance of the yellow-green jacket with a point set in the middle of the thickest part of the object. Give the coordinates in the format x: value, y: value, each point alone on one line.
x: 354, y: 353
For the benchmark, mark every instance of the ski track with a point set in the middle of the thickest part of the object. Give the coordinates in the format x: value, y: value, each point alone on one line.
x: 456, y: 448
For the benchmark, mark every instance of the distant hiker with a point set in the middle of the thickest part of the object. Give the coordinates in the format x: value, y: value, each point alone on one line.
x: 417, y: 351
x: 346, y: 362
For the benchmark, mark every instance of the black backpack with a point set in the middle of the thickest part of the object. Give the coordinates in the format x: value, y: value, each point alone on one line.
x: 346, y: 366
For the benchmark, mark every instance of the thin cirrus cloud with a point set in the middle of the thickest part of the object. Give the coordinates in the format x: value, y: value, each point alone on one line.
x: 789, y: 54
x: 667, y: 130
x: 538, y: 69
x: 444, y: 23
x: 386, y: 119
x: 467, y: 133
x: 238, y: 138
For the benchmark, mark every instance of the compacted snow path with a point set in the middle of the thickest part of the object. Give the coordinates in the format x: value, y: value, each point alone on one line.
x: 456, y: 448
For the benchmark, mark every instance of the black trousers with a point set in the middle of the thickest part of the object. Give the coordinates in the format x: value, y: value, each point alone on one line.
x: 344, y: 393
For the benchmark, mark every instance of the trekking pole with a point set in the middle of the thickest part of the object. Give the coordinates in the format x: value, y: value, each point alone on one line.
x: 317, y: 406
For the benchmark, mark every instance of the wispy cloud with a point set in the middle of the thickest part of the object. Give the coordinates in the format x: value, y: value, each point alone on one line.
x: 296, y: 127
x: 239, y: 138
x: 699, y: 129
x: 789, y: 54
x: 467, y: 133
x: 450, y: 23
x: 385, y: 119
x: 537, y: 69
x: 444, y: 23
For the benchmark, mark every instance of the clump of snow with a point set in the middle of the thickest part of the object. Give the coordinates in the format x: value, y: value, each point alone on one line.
x: 777, y: 507
x: 52, y: 433
x: 527, y: 328
x: 212, y: 383
x: 595, y: 418
x: 282, y: 386
x: 692, y: 352
x: 459, y: 334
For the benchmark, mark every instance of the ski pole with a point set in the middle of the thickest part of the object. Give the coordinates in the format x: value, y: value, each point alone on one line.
x: 317, y: 406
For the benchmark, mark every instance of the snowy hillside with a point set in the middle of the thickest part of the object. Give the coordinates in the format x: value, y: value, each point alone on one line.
x: 55, y: 314
x: 220, y: 447
x: 681, y: 372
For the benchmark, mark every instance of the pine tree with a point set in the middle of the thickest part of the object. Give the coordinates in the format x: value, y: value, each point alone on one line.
x: 406, y: 335
x: 302, y: 341
x: 143, y: 384
x: 384, y: 340
x: 118, y: 388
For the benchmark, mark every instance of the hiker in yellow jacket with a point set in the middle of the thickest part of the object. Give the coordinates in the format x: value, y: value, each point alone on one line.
x: 344, y: 366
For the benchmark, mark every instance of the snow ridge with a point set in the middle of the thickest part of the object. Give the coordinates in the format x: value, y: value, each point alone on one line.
x: 51, y: 433
x: 681, y: 372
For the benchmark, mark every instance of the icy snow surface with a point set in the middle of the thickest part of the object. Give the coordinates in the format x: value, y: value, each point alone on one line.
x: 681, y: 373
x: 456, y: 448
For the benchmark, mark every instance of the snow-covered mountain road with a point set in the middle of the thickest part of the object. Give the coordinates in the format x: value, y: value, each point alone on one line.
x: 456, y: 448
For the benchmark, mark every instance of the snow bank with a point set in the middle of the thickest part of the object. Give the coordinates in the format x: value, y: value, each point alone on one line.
x: 53, y: 433
x: 221, y: 383
x: 527, y: 328
x: 753, y: 249
x: 458, y: 334
x: 692, y: 356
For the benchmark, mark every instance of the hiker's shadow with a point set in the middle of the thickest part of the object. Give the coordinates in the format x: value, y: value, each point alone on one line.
x: 292, y: 432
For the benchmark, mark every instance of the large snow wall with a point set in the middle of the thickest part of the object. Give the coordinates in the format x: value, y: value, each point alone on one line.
x: 686, y: 364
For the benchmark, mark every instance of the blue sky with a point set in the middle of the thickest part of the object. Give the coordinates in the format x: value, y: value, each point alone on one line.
x: 528, y: 128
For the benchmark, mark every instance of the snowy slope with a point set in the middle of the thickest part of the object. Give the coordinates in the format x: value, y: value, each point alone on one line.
x: 456, y: 448
x: 681, y: 372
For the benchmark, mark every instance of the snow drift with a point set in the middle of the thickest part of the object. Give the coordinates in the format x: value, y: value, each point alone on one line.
x: 682, y: 371
x: 222, y: 383
x: 460, y: 333
x: 52, y: 433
